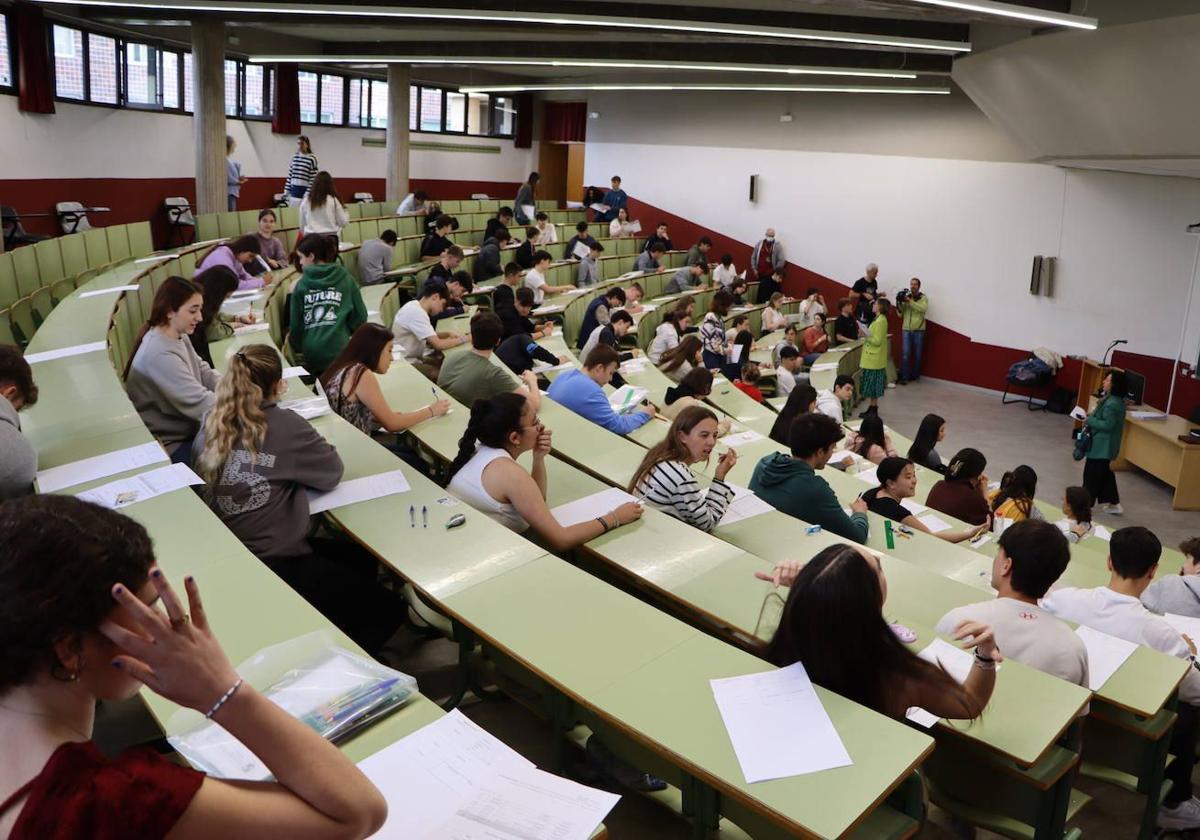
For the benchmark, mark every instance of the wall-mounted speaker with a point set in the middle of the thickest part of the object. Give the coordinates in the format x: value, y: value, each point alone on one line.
x: 1035, y: 276
x: 1041, y: 277
x: 754, y: 188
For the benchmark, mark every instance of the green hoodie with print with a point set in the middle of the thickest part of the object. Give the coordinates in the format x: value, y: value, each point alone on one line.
x: 326, y: 308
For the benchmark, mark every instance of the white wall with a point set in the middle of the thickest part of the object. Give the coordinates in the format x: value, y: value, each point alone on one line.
x: 968, y: 228
x: 83, y: 141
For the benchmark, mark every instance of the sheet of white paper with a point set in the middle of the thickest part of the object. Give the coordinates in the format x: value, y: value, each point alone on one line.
x: 90, y: 469
x: 921, y: 717
x: 294, y: 371
x: 581, y: 250
x: 844, y: 457
x: 111, y: 290
x: 632, y: 227
x: 266, y: 266
x: 599, y: 208
x: 935, y: 523
x: 242, y: 302
x: 308, y: 407
x: 483, y: 289
x: 1148, y: 415
x: 1078, y: 413
x: 735, y: 354
x: 359, y: 490
x: 582, y: 291
x: 345, y: 246
x: 777, y: 724
x: 1101, y: 532
x: 64, y: 352
x: 913, y: 506
x: 127, y: 491
x: 629, y: 275
x: 825, y: 366
x: 868, y: 476
x: 549, y: 309
x: 1186, y: 625
x: 745, y: 505
x: 627, y: 398
x: 528, y: 211
x: 955, y: 660
x: 1105, y: 654
x: 741, y: 438
x: 980, y: 540
x: 589, y: 507
x: 542, y: 367
x: 243, y: 329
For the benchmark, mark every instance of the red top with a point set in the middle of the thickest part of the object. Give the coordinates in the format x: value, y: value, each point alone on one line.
x: 749, y: 390
x: 764, y: 269
x: 81, y: 794
x: 816, y: 340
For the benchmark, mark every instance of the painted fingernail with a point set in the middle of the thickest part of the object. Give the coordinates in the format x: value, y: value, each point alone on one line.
x: 116, y: 663
x: 156, y: 574
x: 118, y: 589
x: 189, y: 579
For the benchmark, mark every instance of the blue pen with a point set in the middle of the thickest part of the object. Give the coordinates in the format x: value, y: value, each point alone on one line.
x: 412, y: 517
x: 424, y: 516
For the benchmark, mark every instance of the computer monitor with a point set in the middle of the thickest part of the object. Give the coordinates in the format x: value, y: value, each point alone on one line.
x: 1135, y: 387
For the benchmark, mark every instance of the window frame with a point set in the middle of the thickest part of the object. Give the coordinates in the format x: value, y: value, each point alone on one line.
x: 123, y: 75
x: 11, y: 43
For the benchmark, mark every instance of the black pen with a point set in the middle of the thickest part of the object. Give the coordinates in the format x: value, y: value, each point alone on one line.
x: 424, y: 516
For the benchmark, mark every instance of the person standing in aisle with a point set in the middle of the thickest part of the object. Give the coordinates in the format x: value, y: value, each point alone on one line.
x: 913, y: 305
x: 526, y: 197
x: 233, y: 174
x: 874, y: 357
x: 768, y: 256
x: 302, y: 168
x: 1107, y: 423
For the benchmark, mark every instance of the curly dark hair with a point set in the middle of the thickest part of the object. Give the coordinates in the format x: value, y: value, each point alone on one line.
x: 59, y: 560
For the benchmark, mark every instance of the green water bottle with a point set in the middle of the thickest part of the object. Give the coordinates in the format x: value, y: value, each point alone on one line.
x: 887, y: 531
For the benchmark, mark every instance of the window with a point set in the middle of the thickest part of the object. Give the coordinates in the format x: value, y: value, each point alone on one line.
x: 379, y: 97
x: 6, y: 74
x: 503, y: 116
x: 308, y: 97
x: 170, y: 79
x: 68, y: 63
x: 412, y: 108
x: 187, y: 82
x: 332, y: 96
x: 431, y: 109
x: 254, y: 76
x: 102, y: 69
x: 354, y: 104
x: 142, y: 75
x: 479, y: 114
x: 231, y: 88
x: 456, y: 111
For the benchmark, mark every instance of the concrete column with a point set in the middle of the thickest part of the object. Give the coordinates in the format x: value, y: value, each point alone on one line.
x: 397, y: 132
x: 208, y: 119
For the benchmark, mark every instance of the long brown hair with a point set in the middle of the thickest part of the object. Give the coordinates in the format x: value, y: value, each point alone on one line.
x: 684, y: 351
x: 237, y: 415
x: 321, y: 189
x: 320, y: 246
x: 363, y: 349
x: 171, y: 296
x: 670, y: 448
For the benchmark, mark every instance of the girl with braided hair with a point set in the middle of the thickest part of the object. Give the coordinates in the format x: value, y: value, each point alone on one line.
x: 485, y: 474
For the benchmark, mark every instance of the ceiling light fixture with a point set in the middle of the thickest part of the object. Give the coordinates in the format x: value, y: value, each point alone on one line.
x: 1010, y: 10
x: 486, y: 16
x: 429, y: 61
x: 666, y: 86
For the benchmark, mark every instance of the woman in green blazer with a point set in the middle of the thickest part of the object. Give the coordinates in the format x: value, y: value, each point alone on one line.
x: 874, y: 357
x: 1107, y: 423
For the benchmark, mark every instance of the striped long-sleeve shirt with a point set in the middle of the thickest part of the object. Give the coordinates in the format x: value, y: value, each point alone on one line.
x: 302, y: 169
x: 671, y: 487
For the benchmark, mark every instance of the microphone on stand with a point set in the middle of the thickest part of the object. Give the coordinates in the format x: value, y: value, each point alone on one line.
x: 1110, y: 348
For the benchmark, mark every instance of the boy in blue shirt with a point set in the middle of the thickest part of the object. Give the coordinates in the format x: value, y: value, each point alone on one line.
x: 582, y: 391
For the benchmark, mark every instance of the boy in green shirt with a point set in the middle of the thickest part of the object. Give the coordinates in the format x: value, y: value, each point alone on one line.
x: 326, y: 305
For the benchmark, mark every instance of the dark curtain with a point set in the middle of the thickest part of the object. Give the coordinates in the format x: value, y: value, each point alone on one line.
x: 287, y: 100
x: 523, y: 135
x: 35, y: 82
x: 566, y: 122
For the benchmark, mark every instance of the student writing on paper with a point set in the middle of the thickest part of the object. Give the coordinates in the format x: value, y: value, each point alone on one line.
x: 665, y: 479
x: 747, y: 383
x: 633, y: 299
x: 446, y: 266
x: 772, y: 318
x: 458, y: 286
x: 503, y: 294
x: 1116, y: 610
x: 375, y: 258
x: 692, y: 390
x: 790, y: 483
x: 698, y: 253
x: 963, y: 492
x: 235, y: 255
x: 1031, y: 557
x: 830, y: 402
x: 535, y: 279
x: 168, y: 383
x: 800, y: 401
x: 683, y: 358
x: 437, y: 240
x: 523, y: 256
x: 582, y: 391
x: 1178, y: 594
x: 89, y: 617
x: 712, y: 329
x: 923, y: 451
x: 618, y: 326
x: 216, y: 284
x: 419, y: 342
x: 485, y: 474
x: 516, y: 318
x: 897, y: 482
x: 257, y: 461
x: 597, y: 312
x: 520, y: 352
x: 872, y: 441
x: 581, y: 235
x: 502, y: 219
x: 688, y: 277
x: 470, y: 375
x: 18, y: 459
x: 668, y: 334
x: 326, y: 306
x: 488, y: 263
x: 351, y: 384
x: 414, y: 202
x: 650, y: 259
x: 833, y: 622
x: 725, y: 273
x: 1015, y: 498
x: 816, y: 339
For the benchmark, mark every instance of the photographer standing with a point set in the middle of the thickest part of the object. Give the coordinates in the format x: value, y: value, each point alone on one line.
x: 912, y: 305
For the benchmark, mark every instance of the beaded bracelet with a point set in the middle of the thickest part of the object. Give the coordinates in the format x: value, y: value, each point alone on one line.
x: 224, y: 698
x: 984, y: 663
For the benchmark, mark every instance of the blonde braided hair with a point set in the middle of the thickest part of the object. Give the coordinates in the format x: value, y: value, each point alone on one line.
x: 237, y: 415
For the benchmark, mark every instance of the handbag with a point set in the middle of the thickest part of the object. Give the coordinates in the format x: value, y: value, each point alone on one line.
x: 1083, y: 443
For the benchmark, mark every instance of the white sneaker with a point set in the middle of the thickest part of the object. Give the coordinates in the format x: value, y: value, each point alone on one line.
x: 1114, y: 510
x: 1183, y: 817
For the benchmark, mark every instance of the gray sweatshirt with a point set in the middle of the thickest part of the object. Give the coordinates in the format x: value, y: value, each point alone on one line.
x: 374, y: 258
x: 1178, y: 594
x: 262, y: 498
x: 18, y: 460
x: 171, y: 388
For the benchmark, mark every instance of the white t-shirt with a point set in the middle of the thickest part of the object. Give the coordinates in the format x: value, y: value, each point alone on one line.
x: 412, y: 327
x: 784, y: 381
x: 1028, y: 634
x: 546, y: 236
x: 828, y: 404
x: 665, y: 338
x: 725, y: 276
x: 1126, y: 618
x: 534, y: 280
x: 592, y: 341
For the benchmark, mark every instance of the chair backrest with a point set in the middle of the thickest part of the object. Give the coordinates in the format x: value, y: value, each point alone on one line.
x: 179, y: 211
x: 71, y: 216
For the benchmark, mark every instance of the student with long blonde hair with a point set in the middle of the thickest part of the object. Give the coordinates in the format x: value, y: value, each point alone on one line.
x: 258, y: 461
x: 168, y: 383
x: 665, y: 479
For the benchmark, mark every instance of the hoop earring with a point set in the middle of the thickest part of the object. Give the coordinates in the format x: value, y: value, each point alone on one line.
x: 59, y: 672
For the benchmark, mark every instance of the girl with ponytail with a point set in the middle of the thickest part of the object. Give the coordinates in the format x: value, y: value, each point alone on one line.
x: 168, y: 383
x: 485, y: 474
x: 258, y: 461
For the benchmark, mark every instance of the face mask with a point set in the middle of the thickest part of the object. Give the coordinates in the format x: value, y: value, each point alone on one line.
x: 770, y: 238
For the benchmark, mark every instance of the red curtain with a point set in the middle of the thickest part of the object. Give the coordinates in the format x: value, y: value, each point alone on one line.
x: 287, y: 100
x: 523, y: 133
x: 566, y: 122
x: 35, y: 83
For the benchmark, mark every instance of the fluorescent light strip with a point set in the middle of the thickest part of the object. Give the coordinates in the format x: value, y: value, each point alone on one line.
x: 763, y: 88
x: 1019, y: 12
x: 704, y: 27
x: 426, y: 60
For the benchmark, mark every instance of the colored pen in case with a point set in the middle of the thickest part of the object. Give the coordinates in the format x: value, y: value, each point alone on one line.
x: 330, y: 711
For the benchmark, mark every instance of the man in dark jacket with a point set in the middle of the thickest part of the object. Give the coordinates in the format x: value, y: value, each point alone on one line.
x: 487, y: 261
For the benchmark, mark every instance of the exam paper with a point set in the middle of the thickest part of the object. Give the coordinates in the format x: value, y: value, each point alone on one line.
x: 777, y: 724
x: 745, y: 504
x: 632, y: 227
x: 542, y: 367
x: 111, y: 463
x: 935, y: 523
x: 956, y: 662
x: 581, y: 250
x: 1105, y: 654
x: 549, y: 309
x: 358, y: 490
x: 243, y: 329
x: 740, y: 438
x: 980, y: 540
x: 294, y: 371
x: 109, y: 291
x: 599, y: 208
x: 64, y: 352
x: 1186, y: 625
x: 589, y: 507
x: 913, y: 506
x: 869, y: 475
x: 127, y: 491
x: 825, y: 366
x: 735, y: 354
x: 627, y: 398
x: 528, y: 211
x: 308, y: 407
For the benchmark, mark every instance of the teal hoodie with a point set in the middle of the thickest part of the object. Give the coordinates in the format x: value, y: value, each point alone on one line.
x: 794, y: 487
x: 326, y: 308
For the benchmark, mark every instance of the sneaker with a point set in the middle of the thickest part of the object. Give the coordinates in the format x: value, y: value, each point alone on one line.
x: 1113, y: 510
x: 1183, y: 817
x: 901, y: 381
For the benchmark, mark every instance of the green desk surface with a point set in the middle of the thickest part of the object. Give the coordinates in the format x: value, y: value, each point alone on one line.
x: 671, y: 696
x: 600, y: 452
x: 83, y: 320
